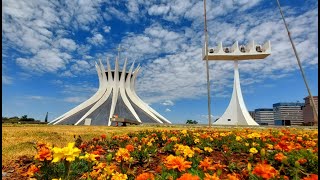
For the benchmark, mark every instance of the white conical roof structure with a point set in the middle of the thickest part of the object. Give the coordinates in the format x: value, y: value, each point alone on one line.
x: 116, y: 96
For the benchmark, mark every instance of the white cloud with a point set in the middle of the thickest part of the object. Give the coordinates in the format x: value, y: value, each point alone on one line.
x: 168, y: 110
x: 35, y: 97
x: 67, y: 74
x: 75, y: 99
x: 96, y: 40
x: 178, y: 72
x: 158, y: 10
x: 107, y: 29
x: 6, y: 79
x: 167, y: 103
x: 68, y: 44
x: 82, y: 66
x: 45, y: 61
x: 38, y: 29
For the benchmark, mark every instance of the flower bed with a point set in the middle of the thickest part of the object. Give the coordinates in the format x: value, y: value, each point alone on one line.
x: 183, y: 155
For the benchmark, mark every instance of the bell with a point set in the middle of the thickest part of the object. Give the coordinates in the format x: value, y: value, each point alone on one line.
x: 258, y: 48
x: 211, y: 51
x: 242, y: 49
x: 226, y: 50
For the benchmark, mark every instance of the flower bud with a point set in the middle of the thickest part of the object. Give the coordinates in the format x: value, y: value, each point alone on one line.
x: 249, y: 167
x: 296, y: 164
x: 109, y: 157
x: 219, y: 171
x: 263, y: 152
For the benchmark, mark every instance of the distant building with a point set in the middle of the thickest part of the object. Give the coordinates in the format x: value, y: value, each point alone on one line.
x: 252, y: 114
x: 288, y: 113
x: 264, y: 116
x: 308, y: 115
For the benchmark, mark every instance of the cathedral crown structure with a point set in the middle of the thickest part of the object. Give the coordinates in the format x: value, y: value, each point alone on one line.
x: 116, y: 97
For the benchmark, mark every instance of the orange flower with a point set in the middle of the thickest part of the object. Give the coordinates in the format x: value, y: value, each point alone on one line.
x: 103, y: 136
x: 206, y: 164
x: 32, y: 169
x: 130, y: 148
x: 302, y: 161
x: 176, y: 162
x: 44, y: 153
x: 233, y: 176
x: 209, y: 177
x: 188, y: 176
x: 265, y: 171
x: 280, y: 157
x: 158, y: 169
x: 218, y: 166
x: 311, y: 177
x: 145, y: 176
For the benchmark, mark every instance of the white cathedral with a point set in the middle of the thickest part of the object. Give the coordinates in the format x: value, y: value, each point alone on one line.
x: 115, y: 98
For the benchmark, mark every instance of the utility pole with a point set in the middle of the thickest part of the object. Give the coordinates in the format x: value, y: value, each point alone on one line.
x: 207, y: 66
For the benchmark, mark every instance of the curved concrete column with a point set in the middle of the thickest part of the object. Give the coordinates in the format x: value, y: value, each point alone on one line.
x: 236, y: 113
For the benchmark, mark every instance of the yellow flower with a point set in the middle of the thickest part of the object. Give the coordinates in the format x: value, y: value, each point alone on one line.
x: 184, y: 132
x: 119, y: 176
x: 253, y: 150
x: 122, y: 154
x: 196, y: 140
x: 164, y: 138
x: 269, y: 146
x: 208, y: 149
x: 90, y: 157
x: 56, y: 179
x: 255, y: 144
x: 69, y: 153
x: 185, y: 150
x: 174, y: 139
x: 246, y: 144
x: 149, y: 143
x: 196, y: 134
x: 238, y: 138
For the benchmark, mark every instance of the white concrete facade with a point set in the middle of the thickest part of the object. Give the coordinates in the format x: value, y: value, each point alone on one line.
x: 116, y: 89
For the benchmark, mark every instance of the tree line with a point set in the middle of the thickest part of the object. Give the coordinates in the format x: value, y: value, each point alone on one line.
x: 22, y: 120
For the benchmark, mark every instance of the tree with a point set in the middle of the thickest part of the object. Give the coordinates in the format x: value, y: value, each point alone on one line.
x: 24, y: 117
x: 189, y: 121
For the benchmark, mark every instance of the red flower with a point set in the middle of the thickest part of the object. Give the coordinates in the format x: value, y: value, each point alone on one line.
x: 130, y: 148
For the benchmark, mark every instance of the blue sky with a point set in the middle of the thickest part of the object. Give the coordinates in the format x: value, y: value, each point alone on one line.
x: 49, y: 49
